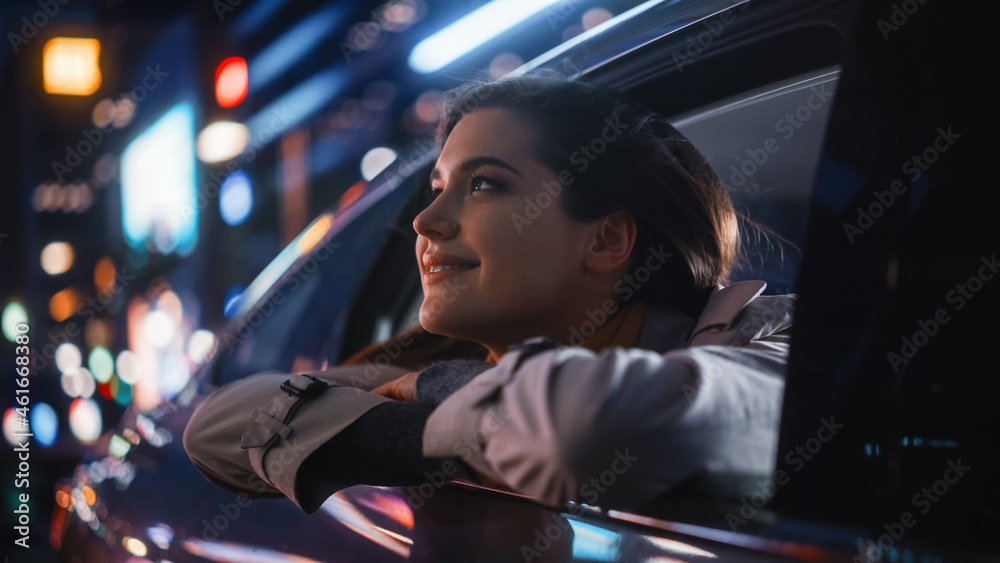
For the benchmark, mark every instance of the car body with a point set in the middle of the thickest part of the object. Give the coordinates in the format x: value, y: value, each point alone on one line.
x: 767, y: 90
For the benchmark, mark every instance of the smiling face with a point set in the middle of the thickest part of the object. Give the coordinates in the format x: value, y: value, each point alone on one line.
x: 493, y: 270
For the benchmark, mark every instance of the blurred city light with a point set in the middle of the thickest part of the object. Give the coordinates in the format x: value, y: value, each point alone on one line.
x: 158, y: 185
x: 85, y: 420
x: 222, y: 141
x: 44, y: 424
x: 297, y: 42
x: 127, y: 367
x: 101, y: 364
x: 352, y: 194
x: 231, y: 82
x: 12, y: 425
x: 231, y: 302
x: 118, y: 446
x: 68, y: 357
x: 235, y: 198
x: 64, y: 304
x: 595, y: 17
x: 70, y: 66
x: 104, y: 274
x: 375, y: 161
x: 472, y: 31
x: 201, y: 345
x: 78, y: 383
x: 13, y: 315
x: 57, y: 257
x: 158, y: 328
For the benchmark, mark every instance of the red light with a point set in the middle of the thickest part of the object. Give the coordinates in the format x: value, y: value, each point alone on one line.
x: 231, y: 82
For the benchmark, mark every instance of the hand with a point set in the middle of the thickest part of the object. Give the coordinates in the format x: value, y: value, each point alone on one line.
x: 401, y: 389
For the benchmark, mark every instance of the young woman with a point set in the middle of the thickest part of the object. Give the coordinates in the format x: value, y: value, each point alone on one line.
x: 583, y: 243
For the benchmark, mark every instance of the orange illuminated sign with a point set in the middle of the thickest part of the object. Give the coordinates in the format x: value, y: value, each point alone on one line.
x: 70, y: 66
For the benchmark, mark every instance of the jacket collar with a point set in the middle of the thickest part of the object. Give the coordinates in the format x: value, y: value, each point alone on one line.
x: 724, y: 304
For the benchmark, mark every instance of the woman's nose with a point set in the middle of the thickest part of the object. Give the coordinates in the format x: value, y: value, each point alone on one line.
x: 437, y: 220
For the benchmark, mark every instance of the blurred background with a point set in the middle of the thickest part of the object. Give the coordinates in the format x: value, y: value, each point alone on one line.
x: 157, y: 155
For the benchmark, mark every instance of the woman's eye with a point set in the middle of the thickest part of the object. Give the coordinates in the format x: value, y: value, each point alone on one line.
x: 435, y: 192
x: 479, y: 183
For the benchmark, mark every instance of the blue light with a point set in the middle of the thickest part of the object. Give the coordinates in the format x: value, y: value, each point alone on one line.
x: 472, y: 31
x: 235, y: 198
x: 592, y: 543
x: 294, y: 44
x: 231, y: 302
x: 297, y: 105
x: 158, y: 185
x: 44, y: 424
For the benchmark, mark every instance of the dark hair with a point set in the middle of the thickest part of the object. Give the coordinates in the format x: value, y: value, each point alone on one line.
x: 644, y: 167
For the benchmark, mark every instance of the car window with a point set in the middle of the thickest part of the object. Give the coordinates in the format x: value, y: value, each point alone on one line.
x: 764, y: 144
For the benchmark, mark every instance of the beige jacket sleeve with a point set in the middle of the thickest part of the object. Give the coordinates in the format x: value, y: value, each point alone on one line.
x: 622, y: 426
x: 252, y: 435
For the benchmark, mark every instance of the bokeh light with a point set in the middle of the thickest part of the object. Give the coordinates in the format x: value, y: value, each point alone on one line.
x: 70, y: 66
x: 79, y: 383
x: 64, y: 304
x: 231, y: 82
x: 158, y: 328
x: 595, y: 17
x: 104, y: 274
x: 101, y: 364
x: 222, y: 141
x: 201, y: 345
x: 127, y: 367
x: 236, y: 198
x: 12, y: 426
x: 57, y: 258
x: 375, y: 161
x: 44, y: 424
x: 68, y: 357
x: 14, y: 314
x: 85, y: 420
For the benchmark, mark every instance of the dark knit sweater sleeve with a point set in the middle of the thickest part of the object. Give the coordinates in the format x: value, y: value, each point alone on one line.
x: 384, y: 446
x: 437, y: 382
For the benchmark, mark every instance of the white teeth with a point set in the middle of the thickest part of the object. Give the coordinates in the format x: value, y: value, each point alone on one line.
x: 433, y: 269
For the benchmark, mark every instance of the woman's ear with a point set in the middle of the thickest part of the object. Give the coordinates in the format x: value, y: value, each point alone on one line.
x: 612, y: 239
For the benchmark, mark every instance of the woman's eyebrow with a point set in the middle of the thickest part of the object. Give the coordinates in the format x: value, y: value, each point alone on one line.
x: 478, y: 161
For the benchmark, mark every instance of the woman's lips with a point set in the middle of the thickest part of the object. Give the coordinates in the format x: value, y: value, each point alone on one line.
x: 440, y: 267
x: 443, y: 267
